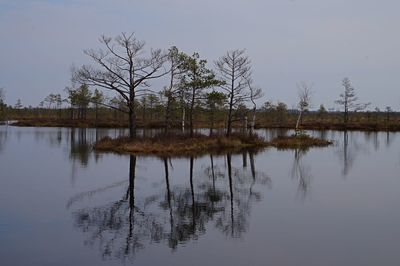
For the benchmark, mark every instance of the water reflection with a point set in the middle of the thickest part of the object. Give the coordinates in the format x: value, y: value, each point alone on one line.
x: 81, y: 140
x: 323, y: 134
x: 301, y: 171
x: 172, y: 210
x: 218, y: 195
x: 348, y: 156
x: 347, y: 153
x: 79, y: 146
x: 274, y: 133
x: 372, y: 137
x: 3, y: 137
x: 389, y: 139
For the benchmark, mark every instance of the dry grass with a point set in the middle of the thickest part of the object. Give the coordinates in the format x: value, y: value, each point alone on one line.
x: 301, y: 141
x: 393, y: 126
x: 176, y: 145
x: 182, y: 145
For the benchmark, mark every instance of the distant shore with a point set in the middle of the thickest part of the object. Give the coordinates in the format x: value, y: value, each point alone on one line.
x: 308, y: 125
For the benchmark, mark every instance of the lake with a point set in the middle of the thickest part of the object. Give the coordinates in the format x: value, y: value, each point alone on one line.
x: 63, y: 204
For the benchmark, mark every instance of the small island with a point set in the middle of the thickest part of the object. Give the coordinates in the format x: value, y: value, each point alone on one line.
x: 183, y: 145
x: 301, y: 141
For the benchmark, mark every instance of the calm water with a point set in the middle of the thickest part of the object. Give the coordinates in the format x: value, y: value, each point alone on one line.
x: 62, y: 204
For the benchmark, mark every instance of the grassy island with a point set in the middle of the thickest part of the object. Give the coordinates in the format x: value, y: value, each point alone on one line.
x: 181, y: 145
x: 300, y: 141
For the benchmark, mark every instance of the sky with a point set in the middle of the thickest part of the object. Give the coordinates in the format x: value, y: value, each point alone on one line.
x: 289, y: 41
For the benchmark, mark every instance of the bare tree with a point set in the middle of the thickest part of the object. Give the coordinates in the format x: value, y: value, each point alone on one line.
x: 255, y: 93
x: 122, y: 68
x: 348, y: 100
x: 304, y: 102
x: 235, y: 70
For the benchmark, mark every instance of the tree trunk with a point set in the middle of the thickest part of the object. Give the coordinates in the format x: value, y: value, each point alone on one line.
x: 96, y: 114
x: 132, y: 114
x: 212, y: 122
x: 244, y: 125
x: 229, y: 123
x: 72, y: 113
x: 296, y: 132
x: 132, y: 124
x: 253, y: 122
x: 183, y: 119
x: 191, y: 113
x: 167, y: 115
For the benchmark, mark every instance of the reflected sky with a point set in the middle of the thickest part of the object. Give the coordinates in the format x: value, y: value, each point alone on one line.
x: 63, y: 204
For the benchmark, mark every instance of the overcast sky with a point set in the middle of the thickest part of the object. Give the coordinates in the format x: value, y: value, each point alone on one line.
x: 288, y: 41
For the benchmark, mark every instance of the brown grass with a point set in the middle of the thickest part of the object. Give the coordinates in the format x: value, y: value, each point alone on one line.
x: 177, y: 145
x: 301, y: 141
x: 393, y: 126
x: 182, y: 145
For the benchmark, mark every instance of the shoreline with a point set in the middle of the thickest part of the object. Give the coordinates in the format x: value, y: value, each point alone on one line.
x: 367, y: 127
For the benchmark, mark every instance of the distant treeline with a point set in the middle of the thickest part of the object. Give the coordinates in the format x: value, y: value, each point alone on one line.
x: 194, y: 95
x: 151, y: 111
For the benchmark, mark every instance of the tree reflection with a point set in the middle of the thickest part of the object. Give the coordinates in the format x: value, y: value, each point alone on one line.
x: 322, y: 134
x: 301, y: 171
x: 80, y: 147
x: 3, y: 137
x: 347, y: 161
x: 233, y: 221
x: 81, y: 141
x: 388, y: 139
x: 52, y: 137
x: 218, y: 195
x: 348, y: 154
x: 119, y: 228
x: 372, y: 136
